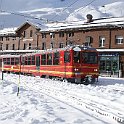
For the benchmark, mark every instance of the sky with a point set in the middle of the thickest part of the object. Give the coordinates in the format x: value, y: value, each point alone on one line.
x: 17, y: 5
x: 45, y: 101
x: 57, y: 10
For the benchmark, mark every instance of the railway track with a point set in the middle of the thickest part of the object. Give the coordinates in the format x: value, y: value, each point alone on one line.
x: 86, y: 102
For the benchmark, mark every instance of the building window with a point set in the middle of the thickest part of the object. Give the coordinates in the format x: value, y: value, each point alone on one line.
x: 29, y: 46
x: 61, y: 45
x: 7, y: 38
x: 31, y: 33
x: 69, y: 43
x: 51, y: 44
x: 70, y: 34
x: 43, y: 46
x: 101, y: 41
x: 25, y: 45
x: 1, y: 38
x: 24, y: 33
x: 14, y: 38
x: 43, y: 35
x: 7, y: 46
x: 61, y: 34
x: 119, y: 39
x: 13, y: 46
x: 52, y: 35
x: 0, y: 46
x: 88, y: 41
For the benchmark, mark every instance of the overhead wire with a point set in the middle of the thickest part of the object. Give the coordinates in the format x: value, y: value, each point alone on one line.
x: 65, y: 8
x: 85, y: 5
x: 26, y: 16
x: 43, y: 19
x: 76, y: 11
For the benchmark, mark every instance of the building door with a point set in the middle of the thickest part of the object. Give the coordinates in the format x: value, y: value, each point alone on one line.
x: 109, y: 65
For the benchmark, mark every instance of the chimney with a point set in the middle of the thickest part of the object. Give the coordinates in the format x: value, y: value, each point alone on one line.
x: 89, y: 18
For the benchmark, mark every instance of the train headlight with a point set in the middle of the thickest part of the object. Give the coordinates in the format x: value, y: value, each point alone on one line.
x: 95, y: 69
x: 76, y: 69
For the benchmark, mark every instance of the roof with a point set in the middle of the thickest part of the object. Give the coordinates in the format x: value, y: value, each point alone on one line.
x: 8, y: 31
x: 29, y: 23
x: 110, y: 22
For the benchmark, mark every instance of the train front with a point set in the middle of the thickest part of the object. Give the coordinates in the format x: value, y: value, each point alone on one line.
x: 85, y: 64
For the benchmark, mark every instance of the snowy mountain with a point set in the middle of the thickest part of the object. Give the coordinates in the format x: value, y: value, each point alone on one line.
x: 56, y: 10
x: 109, y: 10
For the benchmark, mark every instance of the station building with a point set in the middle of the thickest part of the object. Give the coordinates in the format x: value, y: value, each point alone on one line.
x: 104, y: 34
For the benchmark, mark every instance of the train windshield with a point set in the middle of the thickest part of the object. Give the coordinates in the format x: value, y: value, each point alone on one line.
x: 89, y: 57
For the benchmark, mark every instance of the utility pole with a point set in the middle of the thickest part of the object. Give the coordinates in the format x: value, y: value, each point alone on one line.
x: 2, y: 69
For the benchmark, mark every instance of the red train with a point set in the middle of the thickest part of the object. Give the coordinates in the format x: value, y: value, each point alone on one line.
x: 75, y: 63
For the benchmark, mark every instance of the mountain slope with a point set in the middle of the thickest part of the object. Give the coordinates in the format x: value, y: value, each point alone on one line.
x: 109, y: 10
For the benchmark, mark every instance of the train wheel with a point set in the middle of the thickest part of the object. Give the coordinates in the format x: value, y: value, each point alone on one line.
x: 88, y: 80
x: 72, y: 80
x: 65, y: 80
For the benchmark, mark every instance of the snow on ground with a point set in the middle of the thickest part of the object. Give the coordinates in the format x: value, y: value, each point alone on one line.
x: 45, y: 101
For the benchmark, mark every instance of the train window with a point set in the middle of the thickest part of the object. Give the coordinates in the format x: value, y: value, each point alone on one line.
x: 49, y: 59
x: 8, y: 61
x: 29, y: 60
x: 43, y: 59
x: 37, y: 61
x: 16, y: 61
x: 56, y: 58
x: 26, y: 60
x: 76, y: 56
x: 67, y: 56
x: 89, y: 57
x: 33, y: 60
x: 23, y: 61
x: 4, y: 60
x: 12, y: 61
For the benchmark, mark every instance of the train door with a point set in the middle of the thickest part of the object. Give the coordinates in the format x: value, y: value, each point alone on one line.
x: 67, y: 59
x: 38, y: 65
x: 77, y: 60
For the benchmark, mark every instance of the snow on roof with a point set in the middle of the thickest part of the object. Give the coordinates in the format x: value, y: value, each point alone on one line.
x: 7, y: 31
x: 111, y: 21
x: 54, y: 26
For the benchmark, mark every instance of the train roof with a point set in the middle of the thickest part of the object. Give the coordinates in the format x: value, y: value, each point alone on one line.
x: 75, y: 48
